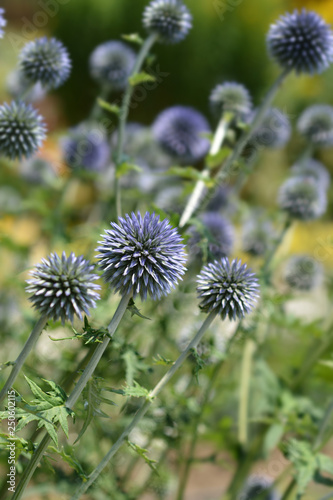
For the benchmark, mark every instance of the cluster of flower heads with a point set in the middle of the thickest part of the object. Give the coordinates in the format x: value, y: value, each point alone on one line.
x: 62, y: 287
x: 111, y: 64
x: 22, y: 130
x: 301, y: 41
x: 45, y: 61
x: 179, y: 131
x: 231, y: 97
x: 86, y: 147
x: 302, y: 272
x: 212, y: 238
x: 316, y: 125
x: 227, y: 288
x: 3, y: 22
x: 170, y: 20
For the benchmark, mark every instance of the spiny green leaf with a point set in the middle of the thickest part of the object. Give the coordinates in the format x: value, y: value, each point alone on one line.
x: 142, y: 452
x: 161, y: 360
x: 141, y: 78
x: 137, y: 391
x: 133, y: 364
x: 69, y: 457
x: 125, y: 168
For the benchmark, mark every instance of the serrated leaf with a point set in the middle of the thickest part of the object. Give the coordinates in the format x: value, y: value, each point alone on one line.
x: 133, y: 365
x: 142, y: 452
x: 125, y: 168
x: 69, y: 457
x: 136, y: 391
x: 141, y: 78
x: 133, y: 38
x: 214, y: 161
x: 112, y: 108
x: 162, y: 361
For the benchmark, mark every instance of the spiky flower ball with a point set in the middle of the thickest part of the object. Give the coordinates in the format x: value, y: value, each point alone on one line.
x: 169, y: 19
x: 46, y: 61
x: 22, y: 130
x: 17, y: 85
x: 256, y: 486
x: 3, y: 22
x: 212, y: 238
x: 302, y: 198
x: 301, y: 41
x: 179, y: 131
x: 228, y: 288
x: 231, y: 97
x: 86, y: 147
x: 258, y: 237
x: 312, y: 168
x: 303, y: 272
x: 142, y: 255
x: 316, y: 125
x: 62, y: 287
x: 111, y: 64
x: 274, y: 132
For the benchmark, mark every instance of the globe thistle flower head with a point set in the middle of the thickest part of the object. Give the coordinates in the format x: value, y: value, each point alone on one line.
x: 62, y: 287
x: 258, y: 237
x: 86, y: 147
x: 213, y: 237
x: 301, y: 41
x: 22, y: 130
x: 303, y: 272
x: 231, y: 97
x: 302, y: 198
x: 256, y: 486
x: 3, y: 22
x: 111, y: 64
x: 316, y: 125
x: 142, y: 255
x: 312, y: 168
x: 274, y: 132
x: 228, y: 288
x: 46, y: 61
x: 169, y: 19
x: 178, y: 131
x: 17, y: 85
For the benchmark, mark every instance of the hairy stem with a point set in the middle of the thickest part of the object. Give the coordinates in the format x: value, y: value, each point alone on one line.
x: 146, y: 47
x: 74, y: 396
x: 23, y: 356
x: 144, y: 408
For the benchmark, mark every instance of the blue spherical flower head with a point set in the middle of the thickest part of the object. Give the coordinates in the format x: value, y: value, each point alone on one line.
x: 314, y: 169
x: 3, y: 22
x: 179, y: 131
x: 301, y: 41
x: 303, y: 272
x: 231, y: 97
x: 62, y: 287
x: 169, y: 19
x: 274, y: 132
x: 302, y: 198
x: 316, y: 125
x: 142, y: 255
x: 86, y: 147
x: 229, y: 289
x: 46, y: 61
x: 111, y: 64
x: 22, y: 130
x: 213, y: 238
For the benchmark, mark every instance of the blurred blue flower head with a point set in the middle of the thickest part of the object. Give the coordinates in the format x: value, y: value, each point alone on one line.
x: 169, y: 19
x: 111, y: 64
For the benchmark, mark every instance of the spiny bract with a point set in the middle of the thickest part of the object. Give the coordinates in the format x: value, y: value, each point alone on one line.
x: 62, y: 287
x: 229, y: 289
x: 142, y: 255
x: 46, y: 61
x: 111, y: 64
x: 22, y: 130
x: 169, y: 19
x: 301, y: 41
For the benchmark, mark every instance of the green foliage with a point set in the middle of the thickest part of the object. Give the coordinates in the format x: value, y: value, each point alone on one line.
x: 141, y: 78
x: 136, y: 391
x: 142, y: 453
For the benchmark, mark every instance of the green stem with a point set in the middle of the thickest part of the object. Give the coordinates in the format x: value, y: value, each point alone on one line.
x: 199, y: 189
x: 74, y: 396
x: 144, y: 408
x: 266, y: 267
x: 146, y: 47
x: 249, y: 350
x: 23, y: 355
x: 258, y: 119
